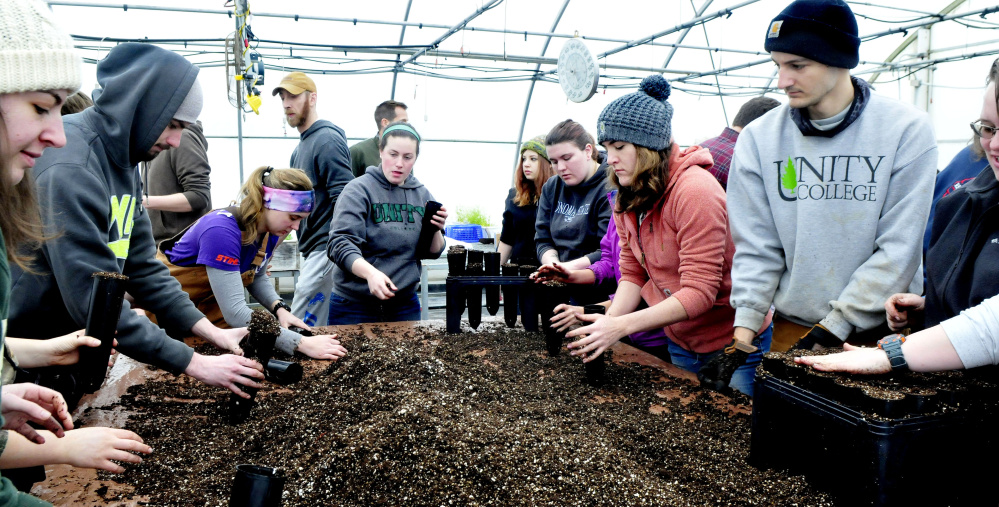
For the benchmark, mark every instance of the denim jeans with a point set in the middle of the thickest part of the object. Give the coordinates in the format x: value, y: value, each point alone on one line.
x: 395, y: 309
x: 742, y: 379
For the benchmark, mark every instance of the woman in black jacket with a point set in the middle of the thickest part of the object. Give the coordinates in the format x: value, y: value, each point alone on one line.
x: 516, y: 242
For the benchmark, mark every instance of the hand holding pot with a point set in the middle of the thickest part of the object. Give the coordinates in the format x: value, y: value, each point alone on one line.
x: 23, y: 403
x: 322, y: 347
x: 602, y: 332
x: 287, y: 319
x: 228, y: 371
x: 717, y: 372
x: 898, y: 306
x: 863, y: 360
x: 565, y: 316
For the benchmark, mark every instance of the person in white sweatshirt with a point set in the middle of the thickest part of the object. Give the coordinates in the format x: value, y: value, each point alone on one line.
x: 829, y: 193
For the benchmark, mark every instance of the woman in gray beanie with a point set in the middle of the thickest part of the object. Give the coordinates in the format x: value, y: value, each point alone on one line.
x: 676, y: 249
x: 38, y: 69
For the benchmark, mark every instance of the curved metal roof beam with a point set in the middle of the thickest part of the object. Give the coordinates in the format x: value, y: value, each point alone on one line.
x: 402, y: 35
x: 912, y: 38
x: 453, y: 30
x: 683, y: 34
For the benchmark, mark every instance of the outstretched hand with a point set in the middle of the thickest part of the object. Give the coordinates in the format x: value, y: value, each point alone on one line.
x: 228, y: 371
x: 547, y: 272
x: 322, y: 347
x: 23, y: 403
x: 863, y: 360
x: 97, y: 447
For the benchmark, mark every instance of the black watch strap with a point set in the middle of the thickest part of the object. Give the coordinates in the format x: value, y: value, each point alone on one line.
x: 280, y: 304
x: 892, y: 345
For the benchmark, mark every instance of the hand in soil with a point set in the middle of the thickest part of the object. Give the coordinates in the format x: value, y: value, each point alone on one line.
x: 853, y: 360
x: 898, y: 306
x: 97, y: 447
x: 228, y: 339
x: 598, y: 336
x: 226, y: 371
x: 23, y: 403
x: 565, y: 316
x: 549, y: 272
x: 322, y: 347
x: 717, y: 372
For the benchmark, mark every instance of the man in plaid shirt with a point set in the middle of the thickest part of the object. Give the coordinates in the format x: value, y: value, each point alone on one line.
x: 721, y: 147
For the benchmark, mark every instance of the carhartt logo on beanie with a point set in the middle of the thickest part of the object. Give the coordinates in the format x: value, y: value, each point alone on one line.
x: 35, y: 53
x: 820, y: 30
x: 642, y: 118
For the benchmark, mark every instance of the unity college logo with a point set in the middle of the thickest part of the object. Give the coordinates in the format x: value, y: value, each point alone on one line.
x: 836, y: 177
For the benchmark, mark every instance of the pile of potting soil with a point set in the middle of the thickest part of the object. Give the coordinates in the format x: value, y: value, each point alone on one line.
x: 472, y: 419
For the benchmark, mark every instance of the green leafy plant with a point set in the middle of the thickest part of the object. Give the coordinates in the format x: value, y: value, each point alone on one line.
x: 473, y: 216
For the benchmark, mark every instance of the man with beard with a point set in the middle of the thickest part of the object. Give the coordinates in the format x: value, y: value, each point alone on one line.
x: 322, y: 153
x: 90, y: 196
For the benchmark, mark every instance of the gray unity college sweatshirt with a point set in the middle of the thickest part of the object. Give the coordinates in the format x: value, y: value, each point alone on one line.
x: 827, y: 228
x: 380, y: 222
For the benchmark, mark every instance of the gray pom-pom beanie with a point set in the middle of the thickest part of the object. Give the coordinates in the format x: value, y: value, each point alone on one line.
x: 642, y: 118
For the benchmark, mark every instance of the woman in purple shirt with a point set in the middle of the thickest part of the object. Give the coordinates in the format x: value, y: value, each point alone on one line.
x: 228, y: 249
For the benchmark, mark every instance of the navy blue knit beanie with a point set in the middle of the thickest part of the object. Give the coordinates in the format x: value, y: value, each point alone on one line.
x: 820, y: 30
x: 641, y: 118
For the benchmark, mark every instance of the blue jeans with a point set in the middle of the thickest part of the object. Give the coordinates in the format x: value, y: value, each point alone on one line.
x: 742, y: 379
x: 395, y: 309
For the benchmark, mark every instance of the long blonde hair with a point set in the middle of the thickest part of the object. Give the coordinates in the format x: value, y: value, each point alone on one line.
x: 20, y: 218
x: 251, y: 195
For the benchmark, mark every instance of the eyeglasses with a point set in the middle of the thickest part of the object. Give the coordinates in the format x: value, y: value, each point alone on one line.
x: 982, y: 130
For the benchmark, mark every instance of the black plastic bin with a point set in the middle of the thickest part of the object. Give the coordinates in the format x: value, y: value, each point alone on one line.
x: 940, y: 459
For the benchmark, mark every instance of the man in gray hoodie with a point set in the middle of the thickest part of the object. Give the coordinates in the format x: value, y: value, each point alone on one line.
x: 323, y: 154
x: 90, y: 195
x: 829, y: 194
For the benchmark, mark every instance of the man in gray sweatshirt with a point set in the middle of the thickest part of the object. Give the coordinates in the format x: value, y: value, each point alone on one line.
x: 828, y: 194
x: 323, y: 155
x: 90, y: 195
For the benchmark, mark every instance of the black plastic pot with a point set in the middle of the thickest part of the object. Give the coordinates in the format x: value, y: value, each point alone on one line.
x: 473, y: 294
x: 283, y: 372
x: 552, y: 295
x: 259, y: 345
x: 510, y: 295
x: 256, y: 486
x: 106, y: 299
x: 456, y: 256
x: 492, y: 266
x: 475, y: 256
x: 427, y: 228
x: 528, y: 301
x: 595, y: 369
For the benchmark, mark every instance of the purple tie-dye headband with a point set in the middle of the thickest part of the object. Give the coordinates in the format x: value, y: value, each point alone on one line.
x: 292, y: 201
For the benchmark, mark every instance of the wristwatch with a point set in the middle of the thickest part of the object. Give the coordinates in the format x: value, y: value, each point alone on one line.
x: 892, y: 345
x: 280, y: 304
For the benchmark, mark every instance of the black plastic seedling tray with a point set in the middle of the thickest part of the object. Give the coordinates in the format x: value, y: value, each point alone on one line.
x: 942, y: 457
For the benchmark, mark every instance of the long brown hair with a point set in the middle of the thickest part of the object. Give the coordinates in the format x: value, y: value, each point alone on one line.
x: 527, y: 191
x: 648, y: 185
x: 20, y: 218
x: 251, y: 202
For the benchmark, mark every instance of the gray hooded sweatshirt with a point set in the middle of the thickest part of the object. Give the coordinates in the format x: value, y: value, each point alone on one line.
x: 90, y: 194
x: 380, y: 222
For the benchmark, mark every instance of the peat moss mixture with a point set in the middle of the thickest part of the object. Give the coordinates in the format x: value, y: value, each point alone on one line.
x: 481, y: 418
x: 892, y: 396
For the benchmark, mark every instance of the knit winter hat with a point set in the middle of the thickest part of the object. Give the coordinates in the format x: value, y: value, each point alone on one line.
x: 190, y: 109
x: 820, y: 30
x: 537, y: 145
x: 35, y: 53
x: 641, y: 118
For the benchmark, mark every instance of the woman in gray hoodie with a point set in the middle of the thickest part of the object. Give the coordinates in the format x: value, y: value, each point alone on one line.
x: 374, y: 233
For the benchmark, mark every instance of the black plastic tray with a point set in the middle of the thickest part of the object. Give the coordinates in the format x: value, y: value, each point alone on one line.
x: 947, y: 458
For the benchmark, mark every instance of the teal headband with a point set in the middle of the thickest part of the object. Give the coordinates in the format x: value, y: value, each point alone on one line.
x: 403, y: 127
